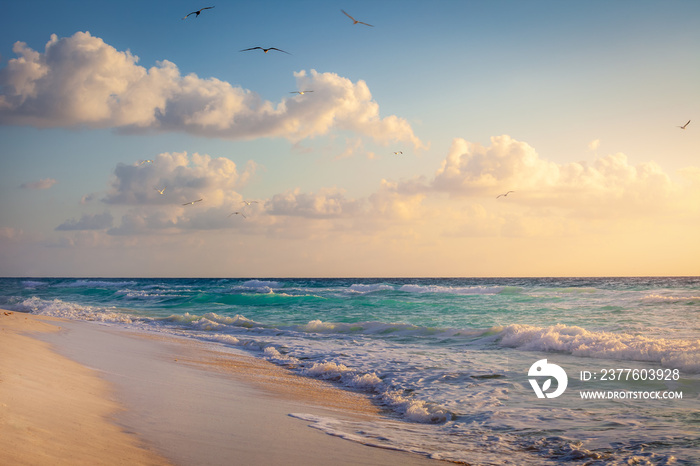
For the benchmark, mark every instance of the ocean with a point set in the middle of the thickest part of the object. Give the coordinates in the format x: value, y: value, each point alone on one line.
x: 484, y: 371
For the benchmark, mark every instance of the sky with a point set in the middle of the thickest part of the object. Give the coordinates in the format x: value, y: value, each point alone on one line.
x: 113, y: 115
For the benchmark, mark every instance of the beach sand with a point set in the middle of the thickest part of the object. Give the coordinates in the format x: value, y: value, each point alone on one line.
x: 76, y: 393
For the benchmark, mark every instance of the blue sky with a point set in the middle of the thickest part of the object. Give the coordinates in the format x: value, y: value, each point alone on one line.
x: 573, y: 105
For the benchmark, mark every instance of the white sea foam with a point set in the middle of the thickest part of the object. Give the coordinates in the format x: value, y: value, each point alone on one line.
x: 326, y: 370
x: 59, y: 308
x: 385, y: 328
x: 666, y: 298
x: 96, y: 284
x: 680, y: 354
x: 463, y: 290
x: 416, y: 410
x: 272, y: 354
x: 33, y: 284
x: 260, y: 286
x: 360, y: 288
x: 145, y: 295
x: 211, y: 319
x: 412, y: 409
x: 367, y: 382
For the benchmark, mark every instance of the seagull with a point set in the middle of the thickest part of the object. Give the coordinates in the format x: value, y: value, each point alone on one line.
x: 248, y: 203
x: 192, y: 202
x: 300, y: 92
x: 354, y: 21
x: 265, y: 50
x: 504, y: 195
x: 196, y: 13
x: 398, y: 153
x: 145, y: 161
x: 160, y: 191
x: 683, y: 127
x: 237, y: 213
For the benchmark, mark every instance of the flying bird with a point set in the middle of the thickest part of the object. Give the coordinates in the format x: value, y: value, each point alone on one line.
x: 265, y: 50
x: 683, y: 127
x: 504, y: 195
x: 145, y: 161
x: 192, y: 202
x: 300, y: 92
x: 248, y: 203
x: 398, y: 153
x: 354, y: 21
x: 237, y: 213
x: 160, y: 191
x: 196, y: 13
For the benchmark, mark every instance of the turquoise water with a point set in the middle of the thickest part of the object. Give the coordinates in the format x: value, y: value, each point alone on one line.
x: 448, y: 359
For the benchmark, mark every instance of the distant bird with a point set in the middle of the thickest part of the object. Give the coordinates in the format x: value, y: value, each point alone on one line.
x: 196, y: 13
x: 398, y: 153
x: 249, y: 202
x: 145, y: 161
x: 265, y: 50
x: 160, y: 191
x: 354, y: 21
x: 504, y: 195
x: 683, y: 127
x: 192, y: 202
x: 238, y: 213
x: 300, y: 92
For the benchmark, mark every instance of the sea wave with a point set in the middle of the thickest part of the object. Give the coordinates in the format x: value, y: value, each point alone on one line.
x: 412, y: 409
x: 577, y: 341
x: 147, y: 295
x: 68, y: 310
x: 682, y: 354
x: 460, y: 290
x: 211, y: 321
x: 96, y: 284
x: 259, y: 286
x: 369, y: 288
x: 33, y: 283
x: 657, y: 298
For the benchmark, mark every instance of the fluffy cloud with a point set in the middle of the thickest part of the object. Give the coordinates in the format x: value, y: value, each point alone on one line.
x: 87, y: 222
x: 180, y: 177
x: 157, y: 190
x: 45, y: 183
x: 82, y: 81
x: 327, y: 203
x: 550, y: 199
x: 608, y: 184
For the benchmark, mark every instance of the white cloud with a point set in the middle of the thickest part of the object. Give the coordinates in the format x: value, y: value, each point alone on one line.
x: 82, y: 81
x: 607, y: 186
x: 327, y: 203
x: 45, y: 183
x: 550, y: 199
x: 87, y: 222
x: 9, y: 233
x: 182, y: 178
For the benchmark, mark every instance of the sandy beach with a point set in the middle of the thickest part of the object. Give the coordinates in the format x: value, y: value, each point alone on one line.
x: 83, y: 393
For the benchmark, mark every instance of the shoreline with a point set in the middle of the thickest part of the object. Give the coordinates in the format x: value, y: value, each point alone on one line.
x: 176, y: 401
x: 54, y: 411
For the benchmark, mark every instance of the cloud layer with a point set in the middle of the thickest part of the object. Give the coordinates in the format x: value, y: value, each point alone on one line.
x: 608, y: 185
x: 157, y: 191
x: 82, y: 81
x: 549, y: 198
x: 44, y: 183
x: 87, y: 222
